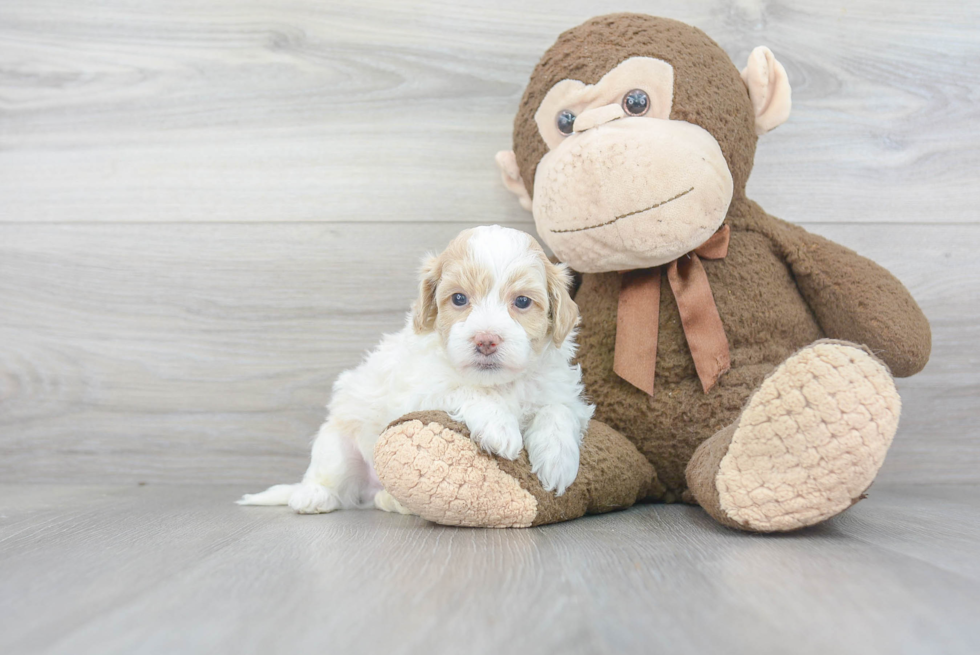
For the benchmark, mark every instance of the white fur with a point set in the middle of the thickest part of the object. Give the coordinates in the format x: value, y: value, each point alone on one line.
x: 531, y: 399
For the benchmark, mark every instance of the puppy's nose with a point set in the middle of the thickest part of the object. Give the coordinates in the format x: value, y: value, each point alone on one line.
x: 486, y: 342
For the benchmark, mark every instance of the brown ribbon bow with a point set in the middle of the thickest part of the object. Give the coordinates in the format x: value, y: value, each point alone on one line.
x: 638, y: 317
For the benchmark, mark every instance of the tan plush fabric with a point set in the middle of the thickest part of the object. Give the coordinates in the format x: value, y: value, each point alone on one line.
x: 429, y: 464
x: 603, y: 97
x: 612, y: 218
x: 435, y: 472
x: 769, y: 90
x: 807, y: 446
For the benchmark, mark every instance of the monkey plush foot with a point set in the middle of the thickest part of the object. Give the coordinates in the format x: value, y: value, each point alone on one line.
x: 429, y: 465
x: 807, y: 445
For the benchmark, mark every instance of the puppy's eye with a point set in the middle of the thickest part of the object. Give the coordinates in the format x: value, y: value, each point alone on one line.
x: 636, y: 102
x: 459, y: 300
x: 522, y: 302
x: 565, y: 122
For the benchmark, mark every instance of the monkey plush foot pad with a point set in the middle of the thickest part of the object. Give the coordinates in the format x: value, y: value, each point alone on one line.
x: 807, y: 445
x: 439, y: 474
x: 428, y: 463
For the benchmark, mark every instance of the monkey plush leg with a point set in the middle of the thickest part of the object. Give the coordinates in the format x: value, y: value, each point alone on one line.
x: 429, y: 465
x: 807, y: 445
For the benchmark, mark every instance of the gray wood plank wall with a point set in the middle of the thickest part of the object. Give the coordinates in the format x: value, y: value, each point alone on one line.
x: 210, y: 208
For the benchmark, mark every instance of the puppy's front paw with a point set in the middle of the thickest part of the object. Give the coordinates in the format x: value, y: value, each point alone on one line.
x: 313, y: 499
x: 554, y: 459
x: 501, y: 437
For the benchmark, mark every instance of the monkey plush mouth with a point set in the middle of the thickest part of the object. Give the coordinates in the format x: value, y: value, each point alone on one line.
x: 632, y: 213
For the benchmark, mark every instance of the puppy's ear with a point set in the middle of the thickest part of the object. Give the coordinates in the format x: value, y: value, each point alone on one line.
x: 425, y: 309
x: 562, y: 312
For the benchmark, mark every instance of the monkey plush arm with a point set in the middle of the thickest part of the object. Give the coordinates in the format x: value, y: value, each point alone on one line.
x: 855, y: 299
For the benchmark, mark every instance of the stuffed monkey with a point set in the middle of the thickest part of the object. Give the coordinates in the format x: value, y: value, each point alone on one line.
x: 735, y: 360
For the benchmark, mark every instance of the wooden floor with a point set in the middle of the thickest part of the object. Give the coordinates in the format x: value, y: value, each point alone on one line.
x: 170, y: 569
x: 210, y: 208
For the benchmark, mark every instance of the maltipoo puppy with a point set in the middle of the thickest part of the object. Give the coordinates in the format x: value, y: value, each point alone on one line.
x: 490, y: 341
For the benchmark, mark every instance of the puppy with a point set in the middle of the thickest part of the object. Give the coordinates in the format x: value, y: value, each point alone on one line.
x: 490, y: 341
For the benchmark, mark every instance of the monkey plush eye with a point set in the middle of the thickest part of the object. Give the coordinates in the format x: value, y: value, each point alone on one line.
x: 459, y: 300
x: 522, y: 302
x: 566, y: 122
x: 636, y: 102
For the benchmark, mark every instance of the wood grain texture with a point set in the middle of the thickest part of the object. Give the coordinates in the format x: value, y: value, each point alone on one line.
x: 382, y: 110
x: 206, y: 352
x: 209, y: 209
x: 105, y: 570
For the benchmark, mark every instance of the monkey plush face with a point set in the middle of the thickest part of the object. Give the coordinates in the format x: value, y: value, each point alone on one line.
x: 639, y: 131
x: 622, y: 186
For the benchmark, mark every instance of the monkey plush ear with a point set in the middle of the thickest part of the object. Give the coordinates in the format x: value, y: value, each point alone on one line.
x: 768, y: 89
x: 511, y: 175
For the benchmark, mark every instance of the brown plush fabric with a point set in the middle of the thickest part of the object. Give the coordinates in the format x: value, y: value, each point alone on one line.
x: 708, y: 90
x: 853, y: 298
x: 703, y: 469
x: 431, y: 416
x: 612, y: 475
x: 779, y: 289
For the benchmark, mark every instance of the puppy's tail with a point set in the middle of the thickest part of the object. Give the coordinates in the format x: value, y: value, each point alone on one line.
x: 277, y: 495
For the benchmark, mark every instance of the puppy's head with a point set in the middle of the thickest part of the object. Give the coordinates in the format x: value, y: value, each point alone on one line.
x: 495, y: 301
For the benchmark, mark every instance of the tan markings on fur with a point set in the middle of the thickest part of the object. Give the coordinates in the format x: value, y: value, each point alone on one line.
x: 453, y: 271
x: 459, y: 276
x: 535, y: 320
x: 426, y: 308
x: 466, y: 489
x: 811, y: 439
x: 534, y: 246
x: 450, y: 316
x: 463, y: 276
x: 562, y: 310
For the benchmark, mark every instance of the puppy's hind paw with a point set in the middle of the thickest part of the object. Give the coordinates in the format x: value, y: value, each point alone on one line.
x: 313, y: 499
x: 387, y: 503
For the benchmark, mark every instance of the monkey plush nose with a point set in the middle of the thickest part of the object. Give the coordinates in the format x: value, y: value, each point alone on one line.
x: 596, y: 117
x: 487, y: 343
